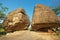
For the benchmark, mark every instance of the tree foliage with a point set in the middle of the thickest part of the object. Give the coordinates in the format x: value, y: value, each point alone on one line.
x: 2, y: 16
x: 57, y: 10
x: 2, y: 11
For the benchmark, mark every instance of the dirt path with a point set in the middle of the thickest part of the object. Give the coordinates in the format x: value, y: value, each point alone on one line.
x: 28, y: 35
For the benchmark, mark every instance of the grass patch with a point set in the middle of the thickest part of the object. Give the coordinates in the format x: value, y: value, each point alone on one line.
x: 2, y: 32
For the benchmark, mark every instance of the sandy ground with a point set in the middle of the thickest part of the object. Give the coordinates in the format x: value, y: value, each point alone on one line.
x: 29, y: 35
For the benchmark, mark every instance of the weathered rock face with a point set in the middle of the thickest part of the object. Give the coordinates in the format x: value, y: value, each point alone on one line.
x: 16, y: 20
x: 44, y: 17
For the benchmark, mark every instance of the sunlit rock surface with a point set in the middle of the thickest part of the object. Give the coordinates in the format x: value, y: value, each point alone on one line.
x: 16, y: 20
x: 29, y: 35
x: 44, y: 17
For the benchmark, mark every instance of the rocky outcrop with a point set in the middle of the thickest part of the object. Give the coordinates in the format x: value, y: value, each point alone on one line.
x: 16, y: 20
x: 44, y: 17
x: 29, y: 35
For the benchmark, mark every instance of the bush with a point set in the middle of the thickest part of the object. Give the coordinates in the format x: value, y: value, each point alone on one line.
x: 2, y: 31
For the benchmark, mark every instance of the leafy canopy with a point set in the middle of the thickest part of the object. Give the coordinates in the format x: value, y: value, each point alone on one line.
x: 57, y: 10
x: 2, y: 11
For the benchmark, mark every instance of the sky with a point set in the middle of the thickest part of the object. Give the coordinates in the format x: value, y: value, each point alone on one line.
x: 28, y: 5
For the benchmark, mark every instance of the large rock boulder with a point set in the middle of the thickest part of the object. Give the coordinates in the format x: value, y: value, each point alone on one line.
x: 44, y: 17
x: 16, y: 20
x: 29, y: 35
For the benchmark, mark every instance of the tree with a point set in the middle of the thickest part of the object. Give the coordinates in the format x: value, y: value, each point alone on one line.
x: 2, y: 16
x: 57, y: 10
x: 2, y: 11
